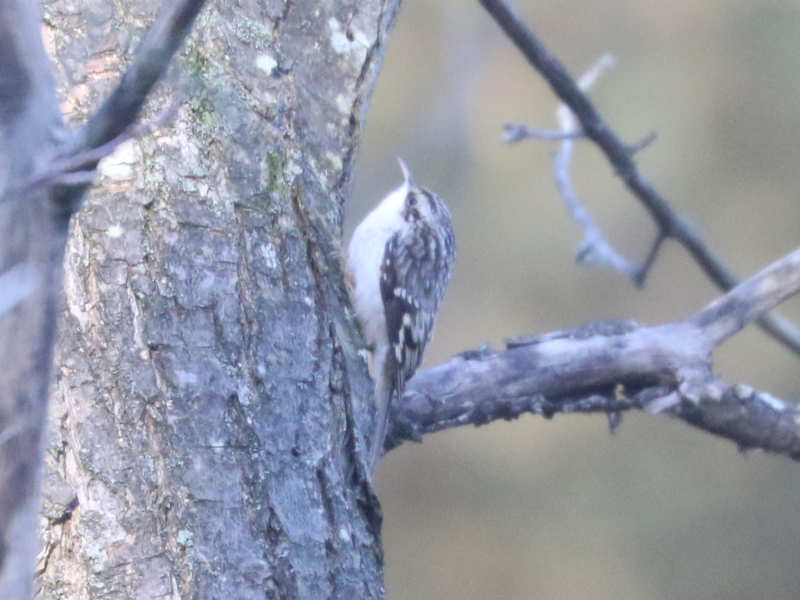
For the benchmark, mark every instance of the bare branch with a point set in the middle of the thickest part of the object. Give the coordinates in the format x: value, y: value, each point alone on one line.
x: 650, y: 259
x: 747, y: 301
x: 122, y: 108
x: 621, y: 158
x: 642, y: 143
x: 612, y: 367
x: 516, y: 133
x: 79, y: 169
x: 594, y: 248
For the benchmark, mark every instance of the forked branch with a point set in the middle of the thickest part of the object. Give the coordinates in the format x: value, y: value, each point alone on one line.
x: 621, y: 157
x: 615, y: 366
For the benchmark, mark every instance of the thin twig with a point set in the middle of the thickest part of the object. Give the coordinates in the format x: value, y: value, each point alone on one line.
x: 642, y: 143
x: 80, y: 168
x: 594, y: 248
x: 135, y: 131
x: 516, y: 133
x: 621, y: 159
x: 640, y: 277
x: 72, y: 178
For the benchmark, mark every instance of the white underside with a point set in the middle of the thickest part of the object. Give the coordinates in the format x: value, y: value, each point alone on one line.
x: 364, y: 256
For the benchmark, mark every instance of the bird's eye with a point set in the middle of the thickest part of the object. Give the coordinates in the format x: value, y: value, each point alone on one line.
x: 411, y: 199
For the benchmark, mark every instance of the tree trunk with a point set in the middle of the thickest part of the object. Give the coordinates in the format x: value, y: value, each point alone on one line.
x: 209, y: 398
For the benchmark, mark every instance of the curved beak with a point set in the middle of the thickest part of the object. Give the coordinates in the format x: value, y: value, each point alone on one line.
x: 406, y: 172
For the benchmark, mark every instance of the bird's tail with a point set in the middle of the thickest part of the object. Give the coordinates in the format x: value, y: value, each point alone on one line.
x: 384, y: 390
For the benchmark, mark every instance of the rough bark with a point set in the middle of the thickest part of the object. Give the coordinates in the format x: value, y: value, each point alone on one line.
x: 209, y: 392
x: 209, y: 389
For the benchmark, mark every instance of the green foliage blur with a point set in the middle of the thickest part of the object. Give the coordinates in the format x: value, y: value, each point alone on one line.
x: 561, y: 509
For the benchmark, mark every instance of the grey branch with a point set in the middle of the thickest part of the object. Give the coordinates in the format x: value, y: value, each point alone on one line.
x: 516, y: 133
x: 616, y: 366
x: 80, y: 168
x: 594, y: 248
x: 620, y: 155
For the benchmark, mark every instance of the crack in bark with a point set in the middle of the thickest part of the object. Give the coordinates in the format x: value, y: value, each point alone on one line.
x: 319, y: 270
x: 358, y: 477
x: 245, y: 289
x: 263, y: 522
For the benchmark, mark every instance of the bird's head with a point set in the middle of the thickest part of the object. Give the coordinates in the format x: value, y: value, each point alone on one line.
x: 420, y: 204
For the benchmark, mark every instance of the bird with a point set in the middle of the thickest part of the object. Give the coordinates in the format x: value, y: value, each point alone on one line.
x: 399, y: 262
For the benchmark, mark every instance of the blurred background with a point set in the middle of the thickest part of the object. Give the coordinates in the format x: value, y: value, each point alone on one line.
x: 561, y: 509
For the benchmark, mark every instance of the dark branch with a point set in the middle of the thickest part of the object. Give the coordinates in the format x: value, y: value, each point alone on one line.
x: 641, y: 275
x: 122, y: 107
x: 642, y: 143
x: 615, y: 366
x: 621, y: 159
x: 80, y: 169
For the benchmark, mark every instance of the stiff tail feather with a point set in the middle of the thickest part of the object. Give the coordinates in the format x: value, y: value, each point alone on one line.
x: 384, y: 390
